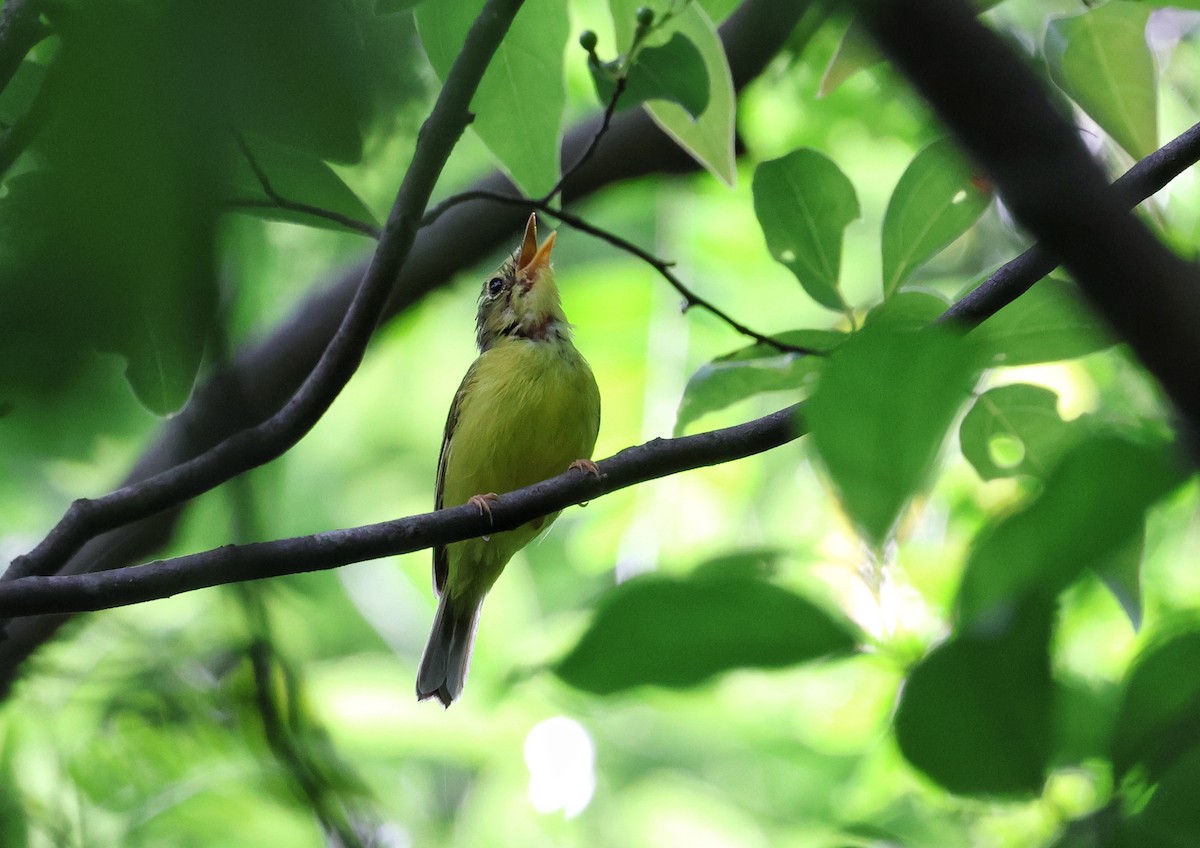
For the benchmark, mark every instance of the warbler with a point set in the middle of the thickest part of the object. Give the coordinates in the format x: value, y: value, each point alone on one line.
x: 527, y: 409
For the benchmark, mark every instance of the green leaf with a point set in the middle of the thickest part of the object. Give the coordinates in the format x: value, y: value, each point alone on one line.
x: 520, y: 101
x: 752, y: 371
x: 674, y: 71
x: 1013, y: 430
x: 935, y: 202
x: 880, y: 414
x: 678, y: 633
x: 1159, y: 717
x: 1085, y: 712
x: 299, y: 177
x: 804, y: 203
x: 1050, y: 322
x: 709, y: 139
x: 1122, y: 575
x: 977, y: 714
x: 1101, y: 60
x: 1092, y: 504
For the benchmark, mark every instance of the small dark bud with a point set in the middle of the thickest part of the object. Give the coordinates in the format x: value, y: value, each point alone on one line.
x: 645, y: 16
x: 588, y: 40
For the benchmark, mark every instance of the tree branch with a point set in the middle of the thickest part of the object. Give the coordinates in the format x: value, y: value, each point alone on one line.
x: 262, y: 443
x: 1014, y: 278
x: 995, y: 106
x: 37, y: 595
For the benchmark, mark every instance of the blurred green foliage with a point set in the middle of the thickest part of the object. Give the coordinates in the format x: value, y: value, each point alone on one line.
x: 1004, y: 657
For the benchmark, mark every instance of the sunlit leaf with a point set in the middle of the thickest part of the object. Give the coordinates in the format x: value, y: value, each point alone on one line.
x: 1050, y: 322
x: 1092, y: 504
x: 678, y: 633
x: 298, y: 177
x: 519, y: 104
x: 935, y: 202
x: 977, y: 714
x: 881, y: 412
x: 674, y: 71
x: 1100, y: 58
x: 708, y: 139
x: 804, y: 203
x: 1014, y: 429
x: 751, y: 371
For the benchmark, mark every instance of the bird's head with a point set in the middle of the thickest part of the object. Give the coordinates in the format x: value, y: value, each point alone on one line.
x: 521, y: 299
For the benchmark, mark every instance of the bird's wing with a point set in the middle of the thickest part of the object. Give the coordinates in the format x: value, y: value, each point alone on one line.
x: 441, y: 562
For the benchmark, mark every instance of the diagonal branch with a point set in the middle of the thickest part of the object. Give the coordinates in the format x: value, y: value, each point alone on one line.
x: 996, y: 107
x: 262, y: 443
x: 36, y: 595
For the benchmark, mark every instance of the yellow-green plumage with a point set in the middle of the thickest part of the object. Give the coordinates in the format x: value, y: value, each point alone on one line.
x: 526, y: 410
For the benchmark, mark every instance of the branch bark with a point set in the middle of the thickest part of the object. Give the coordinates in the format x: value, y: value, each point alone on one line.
x: 36, y: 595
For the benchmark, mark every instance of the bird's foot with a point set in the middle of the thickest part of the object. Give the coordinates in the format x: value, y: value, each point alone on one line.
x: 484, y: 503
x: 586, y: 466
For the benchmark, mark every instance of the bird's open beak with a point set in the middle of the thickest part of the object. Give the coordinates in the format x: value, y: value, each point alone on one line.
x: 533, y: 260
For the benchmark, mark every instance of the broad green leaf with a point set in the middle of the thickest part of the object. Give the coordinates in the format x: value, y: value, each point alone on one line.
x: 519, y: 105
x: 804, y: 203
x: 1122, y: 575
x: 977, y: 714
x: 1048, y: 323
x: 1091, y: 506
x: 1101, y: 60
x: 1159, y: 717
x: 299, y: 177
x: 908, y: 310
x: 660, y: 631
x: 879, y: 415
x: 137, y: 275
x: 751, y: 371
x: 935, y: 202
x: 674, y: 71
x: 1013, y: 430
x: 708, y: 139
x: 855, y: 52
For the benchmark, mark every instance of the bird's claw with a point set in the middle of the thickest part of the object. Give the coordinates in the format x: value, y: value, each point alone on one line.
x: 484, y: 503
x: 586, y: 466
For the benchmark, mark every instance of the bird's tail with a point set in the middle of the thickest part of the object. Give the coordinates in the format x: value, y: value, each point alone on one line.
x: 448, y: 653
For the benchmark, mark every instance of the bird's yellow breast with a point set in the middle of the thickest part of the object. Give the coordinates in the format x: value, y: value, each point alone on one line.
x: 528, y: 410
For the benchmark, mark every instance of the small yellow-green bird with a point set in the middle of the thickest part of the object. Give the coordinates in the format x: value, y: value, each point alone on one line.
x: 527, y: 409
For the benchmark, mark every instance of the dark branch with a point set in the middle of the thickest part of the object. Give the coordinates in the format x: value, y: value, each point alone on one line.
x: 262, y: 443
x: 995, y: 105
x: 235, y: 563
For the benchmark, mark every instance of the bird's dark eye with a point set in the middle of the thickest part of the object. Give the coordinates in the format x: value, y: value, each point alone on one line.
x: 494, y: 286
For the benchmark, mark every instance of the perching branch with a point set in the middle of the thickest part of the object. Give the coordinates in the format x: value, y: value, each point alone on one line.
x: 253, y: 447
x: 995, y: 106
x: 36, y: 595
x: 265, y: 375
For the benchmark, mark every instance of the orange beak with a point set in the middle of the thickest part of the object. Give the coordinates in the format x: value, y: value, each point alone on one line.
x: 533, y: 260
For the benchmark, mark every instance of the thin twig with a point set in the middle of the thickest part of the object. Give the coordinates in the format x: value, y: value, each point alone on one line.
x: 663, y: 267
x: 249, y: 448
x: 606, y: 122
x: 276, y: 200
x: 37, y: 595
